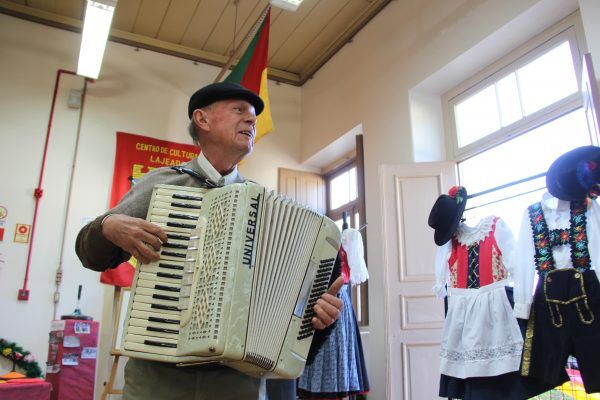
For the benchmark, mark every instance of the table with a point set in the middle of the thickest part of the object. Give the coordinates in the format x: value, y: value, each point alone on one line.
x: 19, y: 391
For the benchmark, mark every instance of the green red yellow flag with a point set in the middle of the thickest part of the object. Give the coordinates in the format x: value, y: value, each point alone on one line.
x: 251, y: 72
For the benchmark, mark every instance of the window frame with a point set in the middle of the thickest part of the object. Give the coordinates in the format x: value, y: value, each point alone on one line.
x: 352, y: 206
x: 360, y: 292
x: 569, y: 29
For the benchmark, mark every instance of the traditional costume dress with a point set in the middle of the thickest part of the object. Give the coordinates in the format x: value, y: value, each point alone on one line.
x: 338, y: 369
x: 561, y: 240
x: 481, y: 337
x: 481, y: 343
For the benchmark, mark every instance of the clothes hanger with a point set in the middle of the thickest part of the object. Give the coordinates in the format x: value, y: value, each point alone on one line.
x: 344, y: 221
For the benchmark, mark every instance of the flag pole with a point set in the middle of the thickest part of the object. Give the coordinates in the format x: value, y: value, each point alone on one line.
x: 244, y: 43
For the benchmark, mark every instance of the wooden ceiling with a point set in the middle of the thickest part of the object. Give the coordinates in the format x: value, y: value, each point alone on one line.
x: 209, y: 31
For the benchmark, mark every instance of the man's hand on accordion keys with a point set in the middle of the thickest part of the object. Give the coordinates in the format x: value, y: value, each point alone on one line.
x: 136, y: 236
x: 328, y: 307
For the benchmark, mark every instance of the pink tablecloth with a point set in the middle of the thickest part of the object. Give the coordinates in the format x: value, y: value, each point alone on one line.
x: 20, y: 391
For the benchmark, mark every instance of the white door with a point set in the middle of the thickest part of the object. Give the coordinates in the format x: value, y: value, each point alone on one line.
x: 414, y: 315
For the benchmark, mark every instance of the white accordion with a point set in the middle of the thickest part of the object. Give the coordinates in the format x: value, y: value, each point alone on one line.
x: 235, y: 284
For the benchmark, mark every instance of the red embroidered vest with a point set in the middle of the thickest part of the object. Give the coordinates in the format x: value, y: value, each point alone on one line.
x: 478, y: 264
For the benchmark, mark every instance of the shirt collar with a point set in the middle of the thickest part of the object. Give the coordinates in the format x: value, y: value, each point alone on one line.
x: 213, y: 175
x: 552, y: 203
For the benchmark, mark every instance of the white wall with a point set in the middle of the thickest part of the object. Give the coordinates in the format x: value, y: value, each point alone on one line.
x: 590, y: 15
x: 426, y: 120
x: 138, y: 92
x: 281, y: 148
x: 369, y: 81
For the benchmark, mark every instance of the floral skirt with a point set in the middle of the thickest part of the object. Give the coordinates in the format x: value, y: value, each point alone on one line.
x: 338, y: 369
x: 481, y: 336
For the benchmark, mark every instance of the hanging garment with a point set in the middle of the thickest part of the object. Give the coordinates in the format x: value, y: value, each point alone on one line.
x: 509, y: 386
x: 481, y: 337
x: 565, y: 316
x: 338, y: 369
x: 353, y: 244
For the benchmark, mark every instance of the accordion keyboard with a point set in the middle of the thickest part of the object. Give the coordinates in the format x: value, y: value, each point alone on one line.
x: 163, y: 287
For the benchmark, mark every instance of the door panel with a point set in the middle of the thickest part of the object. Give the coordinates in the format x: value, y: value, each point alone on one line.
x: 414, y: 316
x: 420, y: 311
x: 417, y: 370
x: 304, y: 187
x: 412, y: 197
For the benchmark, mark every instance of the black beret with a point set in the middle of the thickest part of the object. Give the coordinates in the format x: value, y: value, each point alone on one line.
x: 223, y: 91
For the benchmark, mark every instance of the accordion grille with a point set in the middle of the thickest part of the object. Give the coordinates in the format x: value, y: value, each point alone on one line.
x: 210, y: 290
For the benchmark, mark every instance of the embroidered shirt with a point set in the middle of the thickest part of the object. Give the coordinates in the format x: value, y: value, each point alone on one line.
x: 476, y: 256
x: 557, y: 214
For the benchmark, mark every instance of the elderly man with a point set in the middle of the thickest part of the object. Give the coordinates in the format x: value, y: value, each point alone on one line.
x: 222, y: 123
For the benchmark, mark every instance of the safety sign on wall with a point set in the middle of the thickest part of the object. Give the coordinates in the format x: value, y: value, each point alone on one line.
x: 3, y: 214
x: 22, y: 232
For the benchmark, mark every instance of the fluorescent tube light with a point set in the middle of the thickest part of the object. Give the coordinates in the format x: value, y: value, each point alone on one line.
x: 291, y: 5
x: 96, y: 26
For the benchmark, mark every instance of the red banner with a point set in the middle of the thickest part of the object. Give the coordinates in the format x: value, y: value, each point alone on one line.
x: 136, y: 155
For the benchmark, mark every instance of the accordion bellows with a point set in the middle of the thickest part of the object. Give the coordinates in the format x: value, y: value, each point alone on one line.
x: 235, y: 284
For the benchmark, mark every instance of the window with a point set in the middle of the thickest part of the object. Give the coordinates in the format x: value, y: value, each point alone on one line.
x: 508, y: 127
x: 527, y: 89
x: 343, y: 188
x: 342, y: 195
x: 343, y: 200
x: 527, y: 155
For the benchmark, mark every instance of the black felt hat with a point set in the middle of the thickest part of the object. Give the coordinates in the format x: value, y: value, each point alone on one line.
x: 223, y: 91
x: 446, y: 214
x: 575, y: 175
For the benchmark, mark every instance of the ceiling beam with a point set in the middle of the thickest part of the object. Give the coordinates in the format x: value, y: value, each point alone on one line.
x: 135, y: 40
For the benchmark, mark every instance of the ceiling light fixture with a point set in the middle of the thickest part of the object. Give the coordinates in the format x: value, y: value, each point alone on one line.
x: 291, y: 5
x: 96, y: 26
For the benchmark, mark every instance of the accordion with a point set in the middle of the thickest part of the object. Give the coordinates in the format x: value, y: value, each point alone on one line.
x: 236, y: 282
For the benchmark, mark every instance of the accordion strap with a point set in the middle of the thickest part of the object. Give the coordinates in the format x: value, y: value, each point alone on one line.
x: 204, y: 182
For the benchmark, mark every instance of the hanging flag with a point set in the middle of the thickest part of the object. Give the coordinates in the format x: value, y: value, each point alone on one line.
x: 251, y: 72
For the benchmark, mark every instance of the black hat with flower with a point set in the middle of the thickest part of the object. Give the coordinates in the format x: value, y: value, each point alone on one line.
x: 446, y: 213
x: 574, y: 176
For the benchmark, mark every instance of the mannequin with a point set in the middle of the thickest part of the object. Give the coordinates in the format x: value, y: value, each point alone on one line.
x: 482, y: 341
x: 560, y: 242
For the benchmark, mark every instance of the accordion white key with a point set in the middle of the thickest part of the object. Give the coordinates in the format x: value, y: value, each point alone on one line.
x: 235, y: 284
